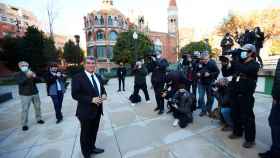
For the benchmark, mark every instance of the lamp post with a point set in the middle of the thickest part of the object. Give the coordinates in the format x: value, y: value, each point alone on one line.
x: 135, y: 37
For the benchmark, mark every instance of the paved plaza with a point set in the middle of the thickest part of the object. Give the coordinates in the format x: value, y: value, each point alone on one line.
x: 125, y: 131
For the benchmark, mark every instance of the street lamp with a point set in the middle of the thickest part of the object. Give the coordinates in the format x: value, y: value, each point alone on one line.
x: 135, y: 37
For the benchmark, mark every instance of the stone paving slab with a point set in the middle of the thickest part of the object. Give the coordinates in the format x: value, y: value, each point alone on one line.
x: 125, y: 131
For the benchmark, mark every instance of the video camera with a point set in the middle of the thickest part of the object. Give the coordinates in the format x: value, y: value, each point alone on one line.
x: 235, y: 56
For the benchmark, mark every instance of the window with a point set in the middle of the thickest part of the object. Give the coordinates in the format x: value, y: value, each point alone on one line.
x: 101, y: 20
x: 100, y: 36
x: 113, y: 36
x: 110, y: 52
x: 101, y: 52
x: 90, y: 51
x: 4, y: 18
x: 110, y: 20
x: 96, y: 20
x: 90, y: 36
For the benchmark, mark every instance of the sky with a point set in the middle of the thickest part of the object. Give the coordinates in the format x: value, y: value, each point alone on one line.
x: 199, y: 14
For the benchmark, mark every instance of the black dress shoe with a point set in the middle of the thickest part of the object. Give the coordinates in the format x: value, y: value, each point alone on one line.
x: 156, y: 109
x: 265, y: 155
x: 248, y: 144
x: 160, y: 112
x: 58, y: 121
x: 40, y: 122
x: 234, y: 136
x: 97, y: 151
x: 25, y: 128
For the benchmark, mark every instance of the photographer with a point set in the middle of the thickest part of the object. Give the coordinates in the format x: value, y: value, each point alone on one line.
x: 188, y: 69
x: 140, y: 73
x: 182, y: 103
x: 207, y: 73
x: 259, y: 39
x: 173, y: 80
x: 56, y: 88
x: 222, y: 92
x: 158, y: 67
x: 245, y: 74
x: 226, y: 44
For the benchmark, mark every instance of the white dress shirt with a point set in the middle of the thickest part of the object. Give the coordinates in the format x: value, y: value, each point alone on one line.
x: 96, y: 80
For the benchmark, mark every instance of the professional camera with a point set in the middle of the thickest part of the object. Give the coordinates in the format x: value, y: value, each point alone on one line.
x: 234, y: 54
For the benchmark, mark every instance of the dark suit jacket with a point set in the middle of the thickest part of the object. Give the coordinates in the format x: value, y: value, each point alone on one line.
x: 276, y: 83
x: 83, y: 91
x: 121, y: 72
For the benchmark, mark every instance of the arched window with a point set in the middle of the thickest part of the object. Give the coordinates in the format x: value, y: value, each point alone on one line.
x: 96, y: 19
x: 113, y: 36
x: 101, y: 20
x: 100, y: 36
x: 110, y: 20
x: 89, y: 36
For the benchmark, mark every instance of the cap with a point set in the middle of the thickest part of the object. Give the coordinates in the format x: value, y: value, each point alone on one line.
x: 249, y: 47
x: 204, y: 55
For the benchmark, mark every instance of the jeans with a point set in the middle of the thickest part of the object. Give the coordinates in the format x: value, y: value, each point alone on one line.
x: 226, y: 112
x: 202, y: 89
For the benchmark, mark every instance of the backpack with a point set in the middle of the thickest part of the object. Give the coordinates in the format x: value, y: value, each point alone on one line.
x: 135, y: 98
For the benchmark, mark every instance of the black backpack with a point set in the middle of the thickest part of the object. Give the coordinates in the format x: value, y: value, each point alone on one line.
x: 135, y: 98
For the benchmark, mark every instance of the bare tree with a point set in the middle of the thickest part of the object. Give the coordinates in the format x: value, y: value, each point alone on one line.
x: 52, y: 15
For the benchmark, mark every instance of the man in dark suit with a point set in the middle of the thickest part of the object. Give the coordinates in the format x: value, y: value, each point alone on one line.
x: 274, y: 118
x: 88, y: 90
x: 121, y: 72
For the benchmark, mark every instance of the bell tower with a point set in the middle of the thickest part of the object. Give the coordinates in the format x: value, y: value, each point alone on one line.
x: 172, y: 18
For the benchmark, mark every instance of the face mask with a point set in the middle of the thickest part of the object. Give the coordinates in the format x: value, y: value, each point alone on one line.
x: 24, y: 68
x: 243, y: 55
x: 158, y: 56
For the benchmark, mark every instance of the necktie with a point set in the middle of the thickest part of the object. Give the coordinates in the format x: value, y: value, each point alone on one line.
x: 95, y: 84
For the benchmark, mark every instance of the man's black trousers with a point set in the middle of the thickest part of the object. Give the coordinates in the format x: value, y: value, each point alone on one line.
x: 243, y: 116
x: 89, y: 129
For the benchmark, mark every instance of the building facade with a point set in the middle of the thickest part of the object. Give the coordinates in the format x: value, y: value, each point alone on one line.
x: 14, y: 21
x: 102, y: 28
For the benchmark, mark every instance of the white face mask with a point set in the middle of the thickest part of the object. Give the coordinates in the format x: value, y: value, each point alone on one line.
x: 24, y: 68
x: 158, y: 56
x: 243, y: 55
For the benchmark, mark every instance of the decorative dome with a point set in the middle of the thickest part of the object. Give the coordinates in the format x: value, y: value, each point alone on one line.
x: 172, y: 3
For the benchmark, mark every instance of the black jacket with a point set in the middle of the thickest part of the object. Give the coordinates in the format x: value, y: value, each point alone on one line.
x: 248, y: 75
x: 27, y: 86
x: 121, y: 72
x: 158, y: 71
x: 185, y: 101
x: 140, y: 76
x: 276, y: 83
x: 259, y: 39
x: 83, y: 92
x: 212, y: 68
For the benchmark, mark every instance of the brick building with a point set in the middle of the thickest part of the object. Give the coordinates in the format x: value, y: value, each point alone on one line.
x: 14, y: 21
x: 102, y: 28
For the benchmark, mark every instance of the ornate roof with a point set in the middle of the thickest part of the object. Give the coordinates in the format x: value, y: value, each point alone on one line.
x: 172, y: 3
